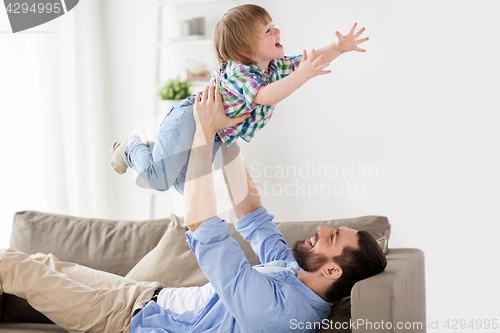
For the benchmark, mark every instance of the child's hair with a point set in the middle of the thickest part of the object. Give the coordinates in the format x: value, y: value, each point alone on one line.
x: 237, y: 33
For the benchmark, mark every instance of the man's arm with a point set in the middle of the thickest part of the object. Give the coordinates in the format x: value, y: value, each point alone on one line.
x: 244, y: 196
x: 254, y: 223
x: 199, y: 194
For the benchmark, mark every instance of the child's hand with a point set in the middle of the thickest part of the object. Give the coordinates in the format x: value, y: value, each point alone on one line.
x: 350, y: 41
x: 310, y: 66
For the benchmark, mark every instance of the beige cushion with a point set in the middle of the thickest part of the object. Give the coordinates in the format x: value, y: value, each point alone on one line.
x: 112, y: 246
x: 383, y: 243
x: 171, y: 262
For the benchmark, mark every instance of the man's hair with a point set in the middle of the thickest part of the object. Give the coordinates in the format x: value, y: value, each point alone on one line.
x: 357, y: 264
x: 237, y: 33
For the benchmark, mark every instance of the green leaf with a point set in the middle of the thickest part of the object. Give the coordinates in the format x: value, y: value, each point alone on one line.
x: 175, y: 89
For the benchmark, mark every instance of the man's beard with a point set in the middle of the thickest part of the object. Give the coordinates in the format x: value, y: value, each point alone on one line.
x: 306, y: 258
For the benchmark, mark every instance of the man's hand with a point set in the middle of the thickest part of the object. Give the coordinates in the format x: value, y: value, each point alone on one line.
x: 350, y: 41
x: 311, y: 66
x: 209, y: 112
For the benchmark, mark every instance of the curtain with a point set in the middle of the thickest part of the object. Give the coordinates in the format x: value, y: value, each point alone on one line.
x: 53, y: 118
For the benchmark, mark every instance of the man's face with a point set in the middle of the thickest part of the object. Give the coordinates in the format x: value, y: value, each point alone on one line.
x: 314, y: 252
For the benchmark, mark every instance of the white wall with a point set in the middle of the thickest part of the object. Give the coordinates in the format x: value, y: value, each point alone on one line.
x: 416, y: 112
x: 129, y: 29
x: 420, y: 107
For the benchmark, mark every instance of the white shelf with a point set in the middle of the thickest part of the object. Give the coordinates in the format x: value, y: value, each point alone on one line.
x: 187, y: 41
x: 185, y: 2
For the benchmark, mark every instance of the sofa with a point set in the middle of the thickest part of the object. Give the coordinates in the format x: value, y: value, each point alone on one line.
x: 156, y: 250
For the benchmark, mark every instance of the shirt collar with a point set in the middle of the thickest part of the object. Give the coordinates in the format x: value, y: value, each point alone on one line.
x: 316, y: 302
x: 270, y: 68
x: 231, y: 66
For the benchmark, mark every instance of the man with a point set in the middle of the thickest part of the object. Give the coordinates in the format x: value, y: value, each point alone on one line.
x: 291, y: 285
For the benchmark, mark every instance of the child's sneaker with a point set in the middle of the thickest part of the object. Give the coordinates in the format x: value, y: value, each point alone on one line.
x: 117, y: 162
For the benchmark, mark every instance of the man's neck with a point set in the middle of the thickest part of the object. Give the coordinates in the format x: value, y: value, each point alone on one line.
x: 314, y: 283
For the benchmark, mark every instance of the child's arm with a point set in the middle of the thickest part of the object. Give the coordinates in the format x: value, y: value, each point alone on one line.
x: 279, y: 90
x: 345, y: 44
x: 310, y: 67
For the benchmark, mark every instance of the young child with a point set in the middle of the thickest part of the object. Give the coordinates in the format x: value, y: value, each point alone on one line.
x: 254, y: 76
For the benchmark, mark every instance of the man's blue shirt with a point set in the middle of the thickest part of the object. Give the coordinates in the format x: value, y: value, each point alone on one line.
x: 245, y: 300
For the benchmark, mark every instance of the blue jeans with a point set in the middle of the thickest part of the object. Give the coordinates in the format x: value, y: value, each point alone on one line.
x: 165, y: 163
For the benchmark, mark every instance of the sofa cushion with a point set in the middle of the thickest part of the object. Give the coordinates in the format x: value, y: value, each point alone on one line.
x: 112, y: 246
x: 171, y: 262
x: 383, y: 242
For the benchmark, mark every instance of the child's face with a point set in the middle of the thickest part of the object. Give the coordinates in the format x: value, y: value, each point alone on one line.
x: 269, y: 46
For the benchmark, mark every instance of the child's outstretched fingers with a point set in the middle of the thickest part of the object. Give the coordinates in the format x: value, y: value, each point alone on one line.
x: 322, y: 67
x: 350, y: 41
x: 311, y: 54
x: 318, y: 59
x: 359, y: 33
x: 353, y: 29
x: 359, y: 42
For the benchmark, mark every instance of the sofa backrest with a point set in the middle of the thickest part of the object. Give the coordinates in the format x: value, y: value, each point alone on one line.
x: 117, y: 246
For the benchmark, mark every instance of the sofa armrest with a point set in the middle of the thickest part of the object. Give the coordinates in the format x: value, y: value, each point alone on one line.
x: 2, y: 305
x: 396, y: 296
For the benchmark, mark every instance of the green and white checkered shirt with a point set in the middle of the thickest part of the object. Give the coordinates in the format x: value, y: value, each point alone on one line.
x: 239, y: 86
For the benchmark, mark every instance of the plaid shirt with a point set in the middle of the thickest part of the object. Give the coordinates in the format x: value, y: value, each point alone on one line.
x: 239, y: 85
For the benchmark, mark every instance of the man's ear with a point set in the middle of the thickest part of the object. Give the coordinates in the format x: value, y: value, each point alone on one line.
x: 332, y: 271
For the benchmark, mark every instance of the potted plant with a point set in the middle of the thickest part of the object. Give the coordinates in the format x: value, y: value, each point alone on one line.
x: 172, y: 92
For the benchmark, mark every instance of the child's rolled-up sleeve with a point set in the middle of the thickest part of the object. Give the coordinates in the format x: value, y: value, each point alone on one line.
x: 287, y: 65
